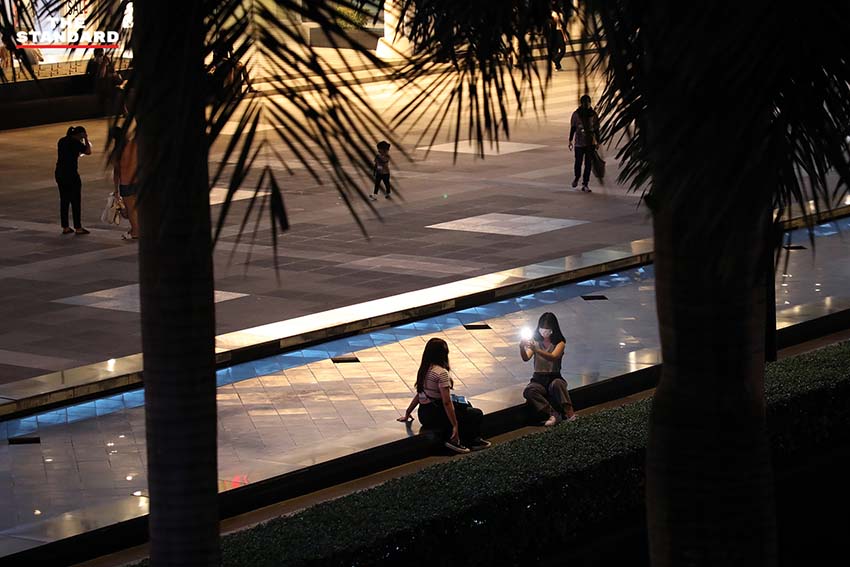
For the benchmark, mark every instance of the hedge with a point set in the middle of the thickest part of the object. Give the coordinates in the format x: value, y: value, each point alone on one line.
x: 511, y: 504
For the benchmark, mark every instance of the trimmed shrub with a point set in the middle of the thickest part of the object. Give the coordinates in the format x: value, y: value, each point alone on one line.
x: 808, y: 402
x: 581, y: 473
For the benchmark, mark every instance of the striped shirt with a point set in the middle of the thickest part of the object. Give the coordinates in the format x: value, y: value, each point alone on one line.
x: 437, y: 377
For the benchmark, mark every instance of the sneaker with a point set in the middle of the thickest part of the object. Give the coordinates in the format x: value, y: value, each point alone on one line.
x: 479, y: 444
x: 373, y: 198
x: 456, y: 447
x: 67, y: 230
x: 387, y: 196
x: 553, y: 420
x: 81, y: 231
x: 575, y: 182
x: 586, y: 189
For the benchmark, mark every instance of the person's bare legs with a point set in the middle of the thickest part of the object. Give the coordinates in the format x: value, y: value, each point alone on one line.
x: 132, y: 215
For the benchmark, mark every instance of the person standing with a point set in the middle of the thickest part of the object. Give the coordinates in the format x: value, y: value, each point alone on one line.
x: 104, y: 80
x: 95, y: 65
x: 382, y: 170
x: 557, y: 37
x: 584, y: 127
x: 124, y: 173
x: 547, y: 391
x: 69, y: 149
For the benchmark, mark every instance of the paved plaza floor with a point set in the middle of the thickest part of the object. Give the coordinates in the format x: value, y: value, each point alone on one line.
x: 72, y: 300
x: 296, y: 409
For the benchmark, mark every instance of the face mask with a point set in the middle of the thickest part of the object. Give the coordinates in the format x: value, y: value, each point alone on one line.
x: 545, y: 333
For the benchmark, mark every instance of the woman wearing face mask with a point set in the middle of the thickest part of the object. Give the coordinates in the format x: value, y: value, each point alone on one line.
x: 547, y: 392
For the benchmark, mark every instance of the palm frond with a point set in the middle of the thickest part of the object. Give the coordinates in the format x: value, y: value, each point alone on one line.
x: 481, y: 57
x: 323, y: 122
x: 15, y: 16
x: 790, y: 98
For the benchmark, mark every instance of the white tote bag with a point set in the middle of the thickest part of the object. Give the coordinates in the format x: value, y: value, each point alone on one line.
x: 112, y: 211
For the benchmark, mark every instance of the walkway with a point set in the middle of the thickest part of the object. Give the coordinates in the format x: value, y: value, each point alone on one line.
x: 73, y: 300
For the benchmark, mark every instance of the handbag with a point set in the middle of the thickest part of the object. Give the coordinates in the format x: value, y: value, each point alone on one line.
x: 112, y: 211
x: 597, y: 164
x: 460, y: 402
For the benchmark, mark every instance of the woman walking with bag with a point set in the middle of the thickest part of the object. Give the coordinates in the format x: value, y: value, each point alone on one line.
x: 547, y: 392
x: 69, y: 149
x: 124, y: 174
x: 584, y: 126
x: 437, y: 409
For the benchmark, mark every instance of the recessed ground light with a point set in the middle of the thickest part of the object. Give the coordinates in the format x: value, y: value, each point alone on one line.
x: 594, y: 298
x: 48, y: 460
x: 344, y: 359
x: 137, y: 493
x: 24, y: 440
x: 476, y: 326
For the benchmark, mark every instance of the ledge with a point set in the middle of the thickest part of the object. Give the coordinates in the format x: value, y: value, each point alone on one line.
x: 116, y: 375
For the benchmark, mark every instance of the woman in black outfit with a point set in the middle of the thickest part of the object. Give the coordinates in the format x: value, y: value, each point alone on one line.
x: 69, y: 149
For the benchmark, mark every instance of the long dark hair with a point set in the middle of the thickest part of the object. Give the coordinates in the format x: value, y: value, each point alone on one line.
x: 436, y: 352
x: 549, y: 321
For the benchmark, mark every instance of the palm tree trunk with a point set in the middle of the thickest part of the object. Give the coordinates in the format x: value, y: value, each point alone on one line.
x: 176, y: 278
x: 709, y: 479
x: 709, y: 474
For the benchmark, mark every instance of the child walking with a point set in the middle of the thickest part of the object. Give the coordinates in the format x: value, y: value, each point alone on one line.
x: 382, y: 170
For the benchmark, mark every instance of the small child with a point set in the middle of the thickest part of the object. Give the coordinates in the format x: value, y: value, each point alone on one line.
x: 382, y: 169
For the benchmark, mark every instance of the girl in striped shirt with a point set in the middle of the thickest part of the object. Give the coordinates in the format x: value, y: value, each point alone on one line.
x: 459, y: 422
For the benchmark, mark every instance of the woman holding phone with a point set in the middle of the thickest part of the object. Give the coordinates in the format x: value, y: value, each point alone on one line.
x: 547, y: 392
x: 437, y: 409
x: 69, y: 149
